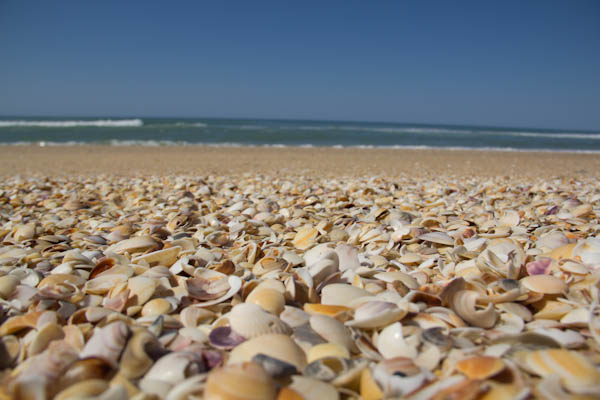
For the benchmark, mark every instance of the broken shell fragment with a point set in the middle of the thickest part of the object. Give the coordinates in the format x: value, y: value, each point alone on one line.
x: 246, y: 380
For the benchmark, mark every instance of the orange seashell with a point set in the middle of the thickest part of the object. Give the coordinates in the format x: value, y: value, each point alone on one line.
x: 239, y: 381
x: 338, y: 312
x: 480, y: 367
x: 561, y: 252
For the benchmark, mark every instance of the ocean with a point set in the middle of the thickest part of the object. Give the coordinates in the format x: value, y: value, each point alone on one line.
x: 261, y: 132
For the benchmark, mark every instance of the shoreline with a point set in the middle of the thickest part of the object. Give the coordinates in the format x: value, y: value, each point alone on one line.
x: 322, y: 161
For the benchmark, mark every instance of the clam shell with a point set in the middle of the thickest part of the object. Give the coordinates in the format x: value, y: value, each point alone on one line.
x: 107, y: 342
x: 546, y: 284
x: 141, y: 290
x: 324, y: 350
x: 8, y: 283
x: 347, y: 256
x: 157, y: 307
x: 391, y: 343
x: 49, y: 332
x: 332, y: 331
x: 313, y: 389
x: 246, y: 380
x: 277, y: 346
x: 481, y: 367
x: 134, y: 245
x: 576, y: 373
x: 341, y: 294
x: 250, y: 320
x: 305, y: 237
x: 235, y: 284
x: 437, y: 237
x: 166, y: 257
x: 333, y: 311
x: 375, y: 314
x: 174, y: 367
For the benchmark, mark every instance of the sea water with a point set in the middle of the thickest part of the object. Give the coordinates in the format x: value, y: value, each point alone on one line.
x: 260, y: 132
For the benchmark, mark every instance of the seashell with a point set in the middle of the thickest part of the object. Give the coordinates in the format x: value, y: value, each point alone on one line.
x: 464, y: 304
x: 223, y: 337
x: 579, y: 317
x: 246, y: 380
x: 552, y: 310
x: 56, y: 279
x: 391, y: 343
x: 136, y: 244
x: 509, y: 218
x: 8, y: 284
x: 274, y: 367
x: 375, y: 314
x: 20, y: 322
x: 338, y: 312
x: 552, y: 240
x: 399, y: 376
x: 305, y: 237
x: 174, y: 367
x: 347, y: 257
x: 83, y: 389
x: 157, y: 307
x: 546, y: 284
x: 341, y: 294
x: 165, y: 257
x: 539, y: 267
x: 270, y: 300
x: 323, y: 350
x: 369, y: 389
x: 107, y: 342
x: 82, y: 370
x: 10, y: 348
x: 332, y: 331
x: 135, y: 361
x: 581, y: 210
x: 437, y: 237
x: 48, y: 333
x: 277, y: 346
x: 394, y: 276
x: 191, y: 316
x: 24, y: 232
x: 103, y: 283
x: 436, y: 337
x: 235, y: 284
x: 313, y: 389
x: 576, y: 373
x: 561, y: 252
x: 503, y: 257
x: 588, y: 251
x: 218, y: 239
x: 250, y: 320
x: 140, y: 289
x: 480, y: 367
x: 319, y: 253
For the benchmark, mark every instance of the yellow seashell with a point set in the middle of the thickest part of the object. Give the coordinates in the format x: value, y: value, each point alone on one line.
x: 369, y: 390
x: 323, y: 350
x: 270, y: 300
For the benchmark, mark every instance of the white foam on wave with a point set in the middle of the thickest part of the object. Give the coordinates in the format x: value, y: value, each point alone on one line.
x: 117, y: 123
x: 159, y: 143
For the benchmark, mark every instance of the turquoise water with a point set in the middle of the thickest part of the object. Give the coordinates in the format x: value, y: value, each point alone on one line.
x: 248, y: 132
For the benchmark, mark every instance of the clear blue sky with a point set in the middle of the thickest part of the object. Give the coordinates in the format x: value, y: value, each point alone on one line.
x: 507, y: 63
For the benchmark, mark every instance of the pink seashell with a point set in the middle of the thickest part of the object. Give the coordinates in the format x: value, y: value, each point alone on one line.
x: 541, y: 266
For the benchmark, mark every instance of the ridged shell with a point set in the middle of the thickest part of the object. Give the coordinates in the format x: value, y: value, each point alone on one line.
x: 250, y: 320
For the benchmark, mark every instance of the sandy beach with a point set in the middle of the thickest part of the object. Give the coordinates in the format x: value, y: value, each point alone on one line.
x: 316, y: 162
x: 314, y: 273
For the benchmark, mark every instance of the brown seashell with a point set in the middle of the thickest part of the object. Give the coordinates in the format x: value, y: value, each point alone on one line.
x: 480, y: 367
x: 19, y: 322
x: 246, y: 380
x: 87, y: 368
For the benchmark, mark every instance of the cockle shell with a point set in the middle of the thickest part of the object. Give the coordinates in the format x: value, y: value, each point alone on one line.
x: 246, y: 380
x: 250, y: 320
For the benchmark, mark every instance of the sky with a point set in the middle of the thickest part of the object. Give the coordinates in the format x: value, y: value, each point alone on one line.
x: 496, y: 63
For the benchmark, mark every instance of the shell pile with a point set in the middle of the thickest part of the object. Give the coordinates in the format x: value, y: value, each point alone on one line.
x: 263, y: 287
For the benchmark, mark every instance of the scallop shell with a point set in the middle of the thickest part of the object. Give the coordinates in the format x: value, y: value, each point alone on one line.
x: 250, y: 320
x: 246, y: 380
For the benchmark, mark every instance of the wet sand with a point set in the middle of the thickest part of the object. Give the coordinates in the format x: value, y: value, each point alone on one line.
x: 93, y: 160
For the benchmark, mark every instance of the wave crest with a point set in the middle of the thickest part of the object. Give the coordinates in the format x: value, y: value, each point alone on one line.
x: 116, y: 123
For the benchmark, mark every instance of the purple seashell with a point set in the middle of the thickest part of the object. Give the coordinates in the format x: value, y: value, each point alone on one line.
x: 212, y: 358
x: 224, y: 337
x: 540, y: 266
x: 552, y: 211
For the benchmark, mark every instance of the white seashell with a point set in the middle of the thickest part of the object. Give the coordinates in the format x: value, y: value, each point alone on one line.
x: 347, y: 256
x: 235, y: 284
x: 174, y: 367
x: 340, y: 294
x: 319, y: 253
x: 589, y: 251
x: 133, y: 245
x: 277, y: 346
x: 250, y: 320
x: 438, y: 237
x: 141, y: 289
x: 391, y: 343
x: 107, y: 342
x: 393, y: 276
x: 374, y: 314
x: 332, y: 331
